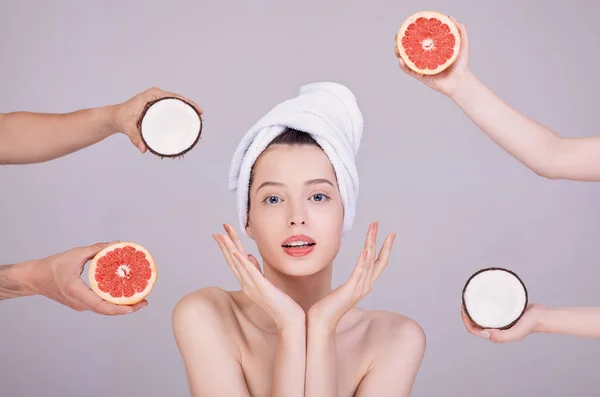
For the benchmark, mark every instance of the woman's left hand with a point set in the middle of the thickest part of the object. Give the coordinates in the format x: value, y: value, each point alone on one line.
x: 329, y: 311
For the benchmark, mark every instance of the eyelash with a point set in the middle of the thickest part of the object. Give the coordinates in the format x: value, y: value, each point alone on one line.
x: 326, y: 197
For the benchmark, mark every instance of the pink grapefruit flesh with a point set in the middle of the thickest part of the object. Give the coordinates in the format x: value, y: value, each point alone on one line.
x: 428, y: 42
x: 123, y: 273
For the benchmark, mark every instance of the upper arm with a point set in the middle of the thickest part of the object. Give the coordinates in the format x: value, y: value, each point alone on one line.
x: 395, y: 371
x: 211, y: 365
x: 576, y: 159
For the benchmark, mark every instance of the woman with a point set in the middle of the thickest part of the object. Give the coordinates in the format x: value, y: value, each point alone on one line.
x: 544, y: 152
x: 286, y: 333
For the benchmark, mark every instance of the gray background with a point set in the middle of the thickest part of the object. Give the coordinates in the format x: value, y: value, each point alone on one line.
x: 456, y: 200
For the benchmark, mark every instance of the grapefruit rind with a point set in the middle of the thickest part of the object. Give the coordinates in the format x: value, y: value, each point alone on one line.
x: 442, y: 18
x: 135, y: 298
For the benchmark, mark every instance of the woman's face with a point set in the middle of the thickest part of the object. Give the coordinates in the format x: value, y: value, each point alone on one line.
x: 296, y: 214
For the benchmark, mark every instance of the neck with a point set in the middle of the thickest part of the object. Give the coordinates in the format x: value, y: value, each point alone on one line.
x: 304, y: 290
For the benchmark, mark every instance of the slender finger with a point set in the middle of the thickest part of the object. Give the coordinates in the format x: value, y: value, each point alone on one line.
x: 228, y: 257
x: 254, y: 262
x: 372, y: 248
x: 239, y: 264
x: 252, y: 268
x: 93, y: 302
x: 234, y: 237
x: 360, y: 268
x: 244, y: 268
x: 87, y: 253
x: 383, y: 257
x: 194, y: 104
x: 464, y: 38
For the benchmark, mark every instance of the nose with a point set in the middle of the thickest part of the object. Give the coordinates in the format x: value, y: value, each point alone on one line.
x: 297, y: 215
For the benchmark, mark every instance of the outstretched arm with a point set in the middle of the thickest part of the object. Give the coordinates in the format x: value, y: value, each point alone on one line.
x: 579, y: 321
x: 28, y: 137
x: 534, y: 145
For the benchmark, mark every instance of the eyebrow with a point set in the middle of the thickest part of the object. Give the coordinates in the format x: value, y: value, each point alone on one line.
x: 307, y: 183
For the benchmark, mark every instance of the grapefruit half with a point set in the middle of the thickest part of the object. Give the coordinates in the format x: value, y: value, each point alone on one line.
x: 123, y: 273
x: 428, y: 42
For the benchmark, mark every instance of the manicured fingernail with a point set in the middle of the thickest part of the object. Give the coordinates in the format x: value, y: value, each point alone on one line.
x: 485, y: 334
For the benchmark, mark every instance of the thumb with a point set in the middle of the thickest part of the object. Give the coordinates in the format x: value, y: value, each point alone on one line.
x: 90, y: 251
x: 501, y: 336
x: 254, y: 262
x: 136, y: 140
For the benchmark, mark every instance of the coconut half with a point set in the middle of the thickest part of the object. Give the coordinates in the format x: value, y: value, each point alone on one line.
x: 494, y: 298
x: 170, y: 127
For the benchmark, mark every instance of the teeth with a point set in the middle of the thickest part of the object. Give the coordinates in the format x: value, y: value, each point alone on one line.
x: 297, y: 244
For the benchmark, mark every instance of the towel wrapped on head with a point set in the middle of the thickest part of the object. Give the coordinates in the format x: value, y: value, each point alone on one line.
x: 330, y: 114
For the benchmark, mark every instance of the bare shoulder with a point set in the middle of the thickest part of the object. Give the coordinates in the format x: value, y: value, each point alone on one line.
x: 205, y: 313
x: 388, y: 330
x: 206, y: 305
x: 204, y: 326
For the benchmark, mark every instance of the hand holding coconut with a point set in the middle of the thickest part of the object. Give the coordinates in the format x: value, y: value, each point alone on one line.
x: 58, y: 277
x: 528, y: 324
x: 327, y: 313
x: 168, y: 124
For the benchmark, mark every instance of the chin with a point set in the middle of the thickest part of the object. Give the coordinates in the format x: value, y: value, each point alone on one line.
x: 302, y: 266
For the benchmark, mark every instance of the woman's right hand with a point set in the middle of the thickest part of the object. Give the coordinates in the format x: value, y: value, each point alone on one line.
x: 526, y: 325
x: 284, y: 311
x: 448, y: 81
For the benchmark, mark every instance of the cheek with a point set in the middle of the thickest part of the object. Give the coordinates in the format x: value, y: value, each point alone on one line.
x: 266, y: 224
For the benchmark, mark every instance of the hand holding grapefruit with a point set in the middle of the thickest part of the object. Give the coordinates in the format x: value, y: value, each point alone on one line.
x: 433, y: 48
x: 58, y: 277
x: 122, y: 273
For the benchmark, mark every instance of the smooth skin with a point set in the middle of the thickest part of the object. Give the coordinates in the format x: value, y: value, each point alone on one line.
x: 29, y: 138
x: 542, y: 151
x: 286, y: 332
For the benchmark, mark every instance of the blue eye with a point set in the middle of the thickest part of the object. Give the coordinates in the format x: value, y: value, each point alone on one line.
x: 319, y: 197
x: 272, y: 199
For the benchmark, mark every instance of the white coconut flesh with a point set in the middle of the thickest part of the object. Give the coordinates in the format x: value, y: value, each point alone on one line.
x: 170, y: 126
x: 495, y: 298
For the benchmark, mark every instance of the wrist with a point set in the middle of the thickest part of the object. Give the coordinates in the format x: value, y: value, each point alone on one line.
x: 320, y: 325
x: 293, y: 326
x: 540, y: 320
x: 465, y: 81
x: 109, y: 119
x: 19, y: 279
